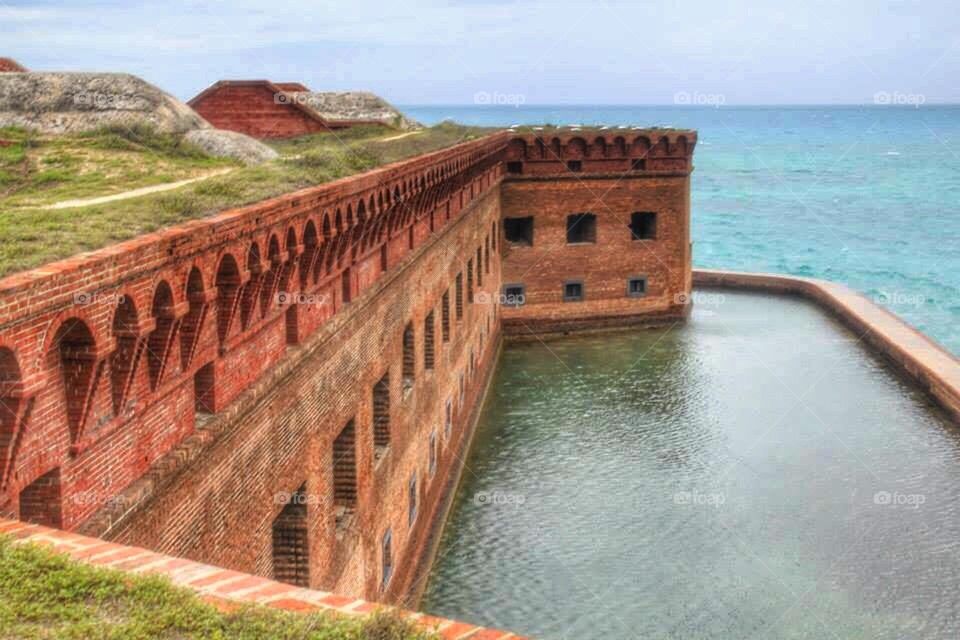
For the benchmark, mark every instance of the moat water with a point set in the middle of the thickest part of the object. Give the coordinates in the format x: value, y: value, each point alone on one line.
x: 866, y: 196
x: 753, y: 473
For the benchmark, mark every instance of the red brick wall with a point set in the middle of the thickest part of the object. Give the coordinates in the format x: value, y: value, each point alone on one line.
x: 281, y: 317
x: 254, y: 109
x: 546, y: 189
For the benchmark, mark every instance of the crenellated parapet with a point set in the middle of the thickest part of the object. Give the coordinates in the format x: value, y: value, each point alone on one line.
x: 565, y: 152
x: 111, y: 358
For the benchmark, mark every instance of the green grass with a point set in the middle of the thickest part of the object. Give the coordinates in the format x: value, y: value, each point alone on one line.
x: 44, y: 595
x: 31, y: 236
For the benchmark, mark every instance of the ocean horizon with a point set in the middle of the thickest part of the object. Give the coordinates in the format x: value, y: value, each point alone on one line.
x: 864, y: 195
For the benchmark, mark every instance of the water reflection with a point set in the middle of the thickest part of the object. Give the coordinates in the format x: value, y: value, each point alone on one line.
x: 754, y: 472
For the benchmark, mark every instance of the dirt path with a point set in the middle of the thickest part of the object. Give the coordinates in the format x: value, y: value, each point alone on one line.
x: 135, y: 193
x: 402, y: 135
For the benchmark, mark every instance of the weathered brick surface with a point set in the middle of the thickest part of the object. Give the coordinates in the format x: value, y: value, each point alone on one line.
x: 175, y: 385
x: 547, y: 190
x: 258, y: 108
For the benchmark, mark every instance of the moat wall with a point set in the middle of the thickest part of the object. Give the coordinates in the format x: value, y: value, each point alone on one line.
x: 268, y: 390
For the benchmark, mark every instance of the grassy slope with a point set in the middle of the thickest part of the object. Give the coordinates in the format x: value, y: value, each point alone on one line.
x: 30, y: 237
x: 44, y: 595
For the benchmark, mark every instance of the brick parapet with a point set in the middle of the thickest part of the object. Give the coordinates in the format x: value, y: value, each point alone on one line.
x: 220, y: 586
x: 923, y: 361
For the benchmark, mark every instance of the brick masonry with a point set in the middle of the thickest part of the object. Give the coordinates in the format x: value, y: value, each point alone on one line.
x: 174, y: 391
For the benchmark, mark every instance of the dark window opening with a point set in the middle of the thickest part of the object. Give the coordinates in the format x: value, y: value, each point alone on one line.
x: 459, y: 296
x: 203, y: 389
x: 448, y: 418
x: 40, y: 501
x: 479, y: 267
x: 573, y: 291
x: 470, y: 281
x: 409, y: 358
x: 514, y: 167
x: 637, y: 287
x: 412, y: 499
x: 581, y: 227
x: 433, y: 453
x: 344, y: 474
x: 519, y: 230
x: 291, y: 562
x: 514, y: 295
x: 428, y: 329
x: 345, y: 286
x: 381, y: 415
x: 643, y: 225
x: 445, y: 316
x: 574, y: 165
x: 638, y: 164
x: 386, y: 559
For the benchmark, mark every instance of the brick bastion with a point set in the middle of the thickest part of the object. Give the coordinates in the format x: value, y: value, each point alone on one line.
x: 288, y: 390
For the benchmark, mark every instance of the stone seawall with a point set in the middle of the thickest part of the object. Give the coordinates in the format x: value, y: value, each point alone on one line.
x: 922, y: 360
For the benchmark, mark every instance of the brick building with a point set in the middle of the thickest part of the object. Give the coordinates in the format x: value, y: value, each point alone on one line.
x: 9, y: 65
x: 289, y: 388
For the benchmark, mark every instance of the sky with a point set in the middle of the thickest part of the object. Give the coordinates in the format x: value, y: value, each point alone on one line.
x: 462, y: 52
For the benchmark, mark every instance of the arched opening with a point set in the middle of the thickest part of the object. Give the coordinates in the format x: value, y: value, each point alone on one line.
x: 123, y: 361
x: 11, y: 380
x: 227, y: 283
x: 193, y: 322
x: 158, y: 344
x: 291, y: 561
x: 76, y: 352
x: 248, y: 296
x: 271, y: 278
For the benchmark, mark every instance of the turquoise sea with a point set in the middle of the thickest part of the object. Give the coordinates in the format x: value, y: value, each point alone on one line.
x: 864, y: 195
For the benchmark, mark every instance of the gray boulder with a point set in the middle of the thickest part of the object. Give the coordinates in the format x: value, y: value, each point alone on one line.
x: 230, y: 144
x: 355, y: 105
x: 71, y: 102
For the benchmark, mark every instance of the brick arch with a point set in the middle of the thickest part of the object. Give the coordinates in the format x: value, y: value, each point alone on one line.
x: 599, y: 148
x: 198, y: 298
x: 361, y: 211
x: 130, y: 336
x: 11, y: 403
x: 74, y: 350
x: 249, y: 292
x: 325, y: 227
x: 311, y: 246
x: 163, y: 311
x: 272, y: 275
x: 338, y: 221
x: 576, y: 148
x: 228, y: 282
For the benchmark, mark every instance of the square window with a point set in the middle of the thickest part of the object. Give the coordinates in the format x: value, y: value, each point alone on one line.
x: 514, y: 295
x: 637, y: 287
x: 514, y: 167
x: 638, y: 164
x: 643, y: 225
x: 573, y: 291
x: 519, y: 231
x: 575, y: 165
x: 581, y: 227
x: 386, y: 559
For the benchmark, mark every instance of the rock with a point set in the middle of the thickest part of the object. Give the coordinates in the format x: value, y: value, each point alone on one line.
x: 72, y: 102
x: 355, y: 106
x: 230, y: 144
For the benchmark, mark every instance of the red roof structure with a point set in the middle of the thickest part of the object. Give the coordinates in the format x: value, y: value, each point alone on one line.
x: 9, y: 65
